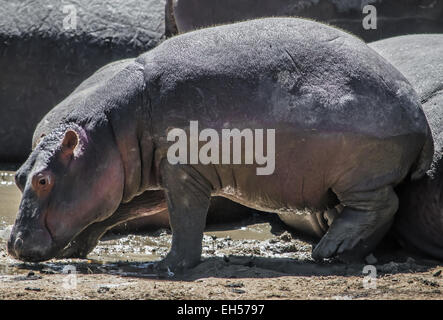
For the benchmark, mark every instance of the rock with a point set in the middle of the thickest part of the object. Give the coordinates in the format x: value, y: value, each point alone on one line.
x: 103, y: 289
x: 286, y: 236
x: 235, y: 285
x: 33, y: 289
x: 239, y: 291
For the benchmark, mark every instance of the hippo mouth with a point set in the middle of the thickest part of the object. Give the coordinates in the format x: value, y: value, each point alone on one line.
x: 33, y: 244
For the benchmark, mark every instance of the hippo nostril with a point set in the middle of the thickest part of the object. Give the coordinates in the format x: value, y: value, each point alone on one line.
x: 31, y: 246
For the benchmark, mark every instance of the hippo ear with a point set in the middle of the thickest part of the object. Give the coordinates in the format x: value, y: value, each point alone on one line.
x: 70, y: 141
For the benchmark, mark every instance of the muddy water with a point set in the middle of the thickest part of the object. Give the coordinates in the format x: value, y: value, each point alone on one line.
x: 9, y: 198
x: 153, y: 246
x: 253, y: 236
x: 9, y: 201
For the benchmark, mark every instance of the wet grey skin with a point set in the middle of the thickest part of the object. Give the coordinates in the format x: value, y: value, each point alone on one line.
x: 393, y: 17
x: 43, y: 59
x: 348, y: 128
x: 419, y: 223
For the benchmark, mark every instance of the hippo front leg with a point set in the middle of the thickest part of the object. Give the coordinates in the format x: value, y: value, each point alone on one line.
x: 359, y: 227
x: 188, y: 196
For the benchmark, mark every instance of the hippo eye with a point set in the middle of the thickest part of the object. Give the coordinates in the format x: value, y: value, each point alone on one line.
x: 42, y: 182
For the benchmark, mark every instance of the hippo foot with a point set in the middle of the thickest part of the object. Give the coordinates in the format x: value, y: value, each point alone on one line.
x: 358, y: 228
x: 175, y: 264
x: 343, y: 249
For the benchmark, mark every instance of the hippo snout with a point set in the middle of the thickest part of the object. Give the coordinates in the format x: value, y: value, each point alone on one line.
x: 31, y: 245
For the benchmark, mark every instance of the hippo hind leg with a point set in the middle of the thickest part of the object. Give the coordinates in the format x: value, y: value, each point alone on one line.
x: 364, y: 220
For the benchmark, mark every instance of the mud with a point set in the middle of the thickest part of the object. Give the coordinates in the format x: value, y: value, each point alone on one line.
x: 257, y: 258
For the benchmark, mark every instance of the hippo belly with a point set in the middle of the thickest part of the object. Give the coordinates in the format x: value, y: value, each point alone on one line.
x: 313, y: 171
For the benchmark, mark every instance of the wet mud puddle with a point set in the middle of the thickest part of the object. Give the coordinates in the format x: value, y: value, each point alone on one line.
x: 9, y: 199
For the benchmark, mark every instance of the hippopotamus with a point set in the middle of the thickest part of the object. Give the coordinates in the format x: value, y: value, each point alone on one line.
x: 347, y: 128
x: 392, y: 17
x: 48, y: 48
x: 419, y: 223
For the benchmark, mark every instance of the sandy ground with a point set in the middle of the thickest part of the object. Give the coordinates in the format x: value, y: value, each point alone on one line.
x: 215, y: 279
x: 257, y: 260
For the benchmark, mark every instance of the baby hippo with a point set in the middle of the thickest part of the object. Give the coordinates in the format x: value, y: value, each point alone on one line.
x: 339, y: 125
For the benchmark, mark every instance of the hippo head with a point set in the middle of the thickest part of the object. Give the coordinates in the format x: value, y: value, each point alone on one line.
x: 72, y: 179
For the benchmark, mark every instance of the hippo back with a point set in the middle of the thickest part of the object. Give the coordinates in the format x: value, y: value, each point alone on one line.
x: 325, y: 76
x: 59, y: 113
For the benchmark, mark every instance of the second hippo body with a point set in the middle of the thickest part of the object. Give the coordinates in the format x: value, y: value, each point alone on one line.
x: 419, y: 221
x: 348, y: 128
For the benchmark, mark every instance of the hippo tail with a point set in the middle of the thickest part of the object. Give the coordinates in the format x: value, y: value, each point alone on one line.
x: 424, y: 161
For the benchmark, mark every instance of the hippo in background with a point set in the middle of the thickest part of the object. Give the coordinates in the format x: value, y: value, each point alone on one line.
x: 41, y: 62
x: 419, y: 222
x: 393, y: 17
x: 333, y: 102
